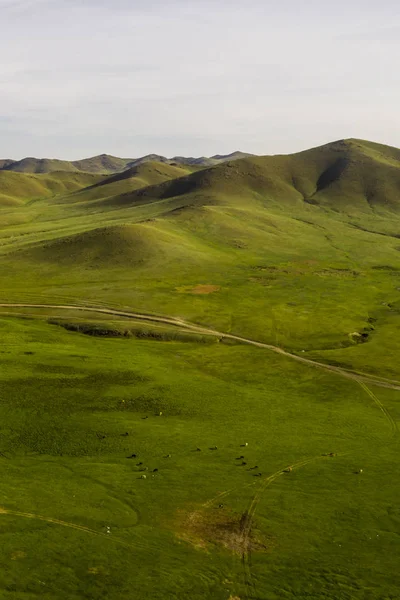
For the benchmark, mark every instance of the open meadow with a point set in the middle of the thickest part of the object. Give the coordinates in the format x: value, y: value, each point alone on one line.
x: 200, y: 378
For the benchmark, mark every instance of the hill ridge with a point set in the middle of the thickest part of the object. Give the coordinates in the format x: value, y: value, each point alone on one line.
x: 108, y: 164
x: 345, y: 175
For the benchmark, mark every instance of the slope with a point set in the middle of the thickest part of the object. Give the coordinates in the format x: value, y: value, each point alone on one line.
x: 39, y: 165
x: 116, y: 246
x: 133, y: 178
x: 243, y: 472
x: 348, y: 176
x: 107, y: 164
x: 103, y: 163
x: 291, y: 250
x: 15, y: 188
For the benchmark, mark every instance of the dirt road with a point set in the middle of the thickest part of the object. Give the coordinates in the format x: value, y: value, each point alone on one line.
x: 176, y: 322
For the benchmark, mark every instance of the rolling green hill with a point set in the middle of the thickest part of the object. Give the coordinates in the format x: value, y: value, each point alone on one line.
x: 109, y: 187
x: 346, y: 176
x: 105, y: 163
x: 126, y: 246
x: 260, y: 229
x: 5, y: 162
x: 203, y: 361
x: 15, y: 188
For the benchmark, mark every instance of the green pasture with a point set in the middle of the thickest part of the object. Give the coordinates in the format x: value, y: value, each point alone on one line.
x: 301, y: 252
x: 67, y: 401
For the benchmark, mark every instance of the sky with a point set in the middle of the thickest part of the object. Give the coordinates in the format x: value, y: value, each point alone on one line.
x: 195, y: 77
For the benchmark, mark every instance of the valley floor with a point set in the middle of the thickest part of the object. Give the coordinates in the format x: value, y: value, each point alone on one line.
x: 135, y: 468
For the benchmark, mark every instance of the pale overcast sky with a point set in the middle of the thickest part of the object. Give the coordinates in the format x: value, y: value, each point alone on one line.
x: 193, y: 77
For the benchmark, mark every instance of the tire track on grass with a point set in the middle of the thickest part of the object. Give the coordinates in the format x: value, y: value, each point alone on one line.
x: 27, y: 515
x: 248, y: 518
x: 389, y: 418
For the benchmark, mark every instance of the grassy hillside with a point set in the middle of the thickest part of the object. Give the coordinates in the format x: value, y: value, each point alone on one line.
x: 5, y: 162
x: 39, y: 165
x: 106, y: 188
x: 303, y: 249
x: 15, y: 188
x: 256, y: 475
x: 126, y: 246
x: 105, y: 163
x: 97, y: 164
x: 347, y: 176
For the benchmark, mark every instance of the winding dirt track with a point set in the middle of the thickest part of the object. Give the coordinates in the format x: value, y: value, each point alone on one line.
x: 176, y: 322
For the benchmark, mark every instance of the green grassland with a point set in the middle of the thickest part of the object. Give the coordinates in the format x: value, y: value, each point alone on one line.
x: 17, y: 188
x: 105, y: 163
x: 301, y: 252
x: 68, y: 400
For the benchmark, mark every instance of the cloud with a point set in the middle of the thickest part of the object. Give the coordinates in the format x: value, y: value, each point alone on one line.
x: 195, y: 74
x: 375, y: 34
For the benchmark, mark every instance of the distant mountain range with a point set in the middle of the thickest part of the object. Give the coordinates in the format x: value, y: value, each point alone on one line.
x: 105, y: 163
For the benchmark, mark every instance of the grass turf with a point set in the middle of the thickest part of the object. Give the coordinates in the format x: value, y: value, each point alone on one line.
x: 67, y: 402
x: 299, y: 251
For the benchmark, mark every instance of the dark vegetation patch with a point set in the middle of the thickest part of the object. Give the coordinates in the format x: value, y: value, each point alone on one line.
x: 54, y: 419
x: 268, y: 268
x: 263, y: 280
x: 298, y: 269
x: 311, y: 201
x: 97, y: 330
x: 386, y: 268
x: 359, y: 337
x: 337, y: 273
x: 367, y: 230
x: 332, y: 173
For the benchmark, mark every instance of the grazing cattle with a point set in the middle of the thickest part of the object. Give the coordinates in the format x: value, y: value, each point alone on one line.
x: 244, y: 464
x: 257, y: 474
x: 288, y: 470
x: 155, y: 470
x: 167, y: 456
x: 214, y: 448
x: 131, y: 456
x: 145, y: 417
x: 220, y: 506
x: 253, y: 468
x: 139, y: 464
x: 240, y: 457
x: 143, y: 477
x: 125, y: 434
x: 198, y: 449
